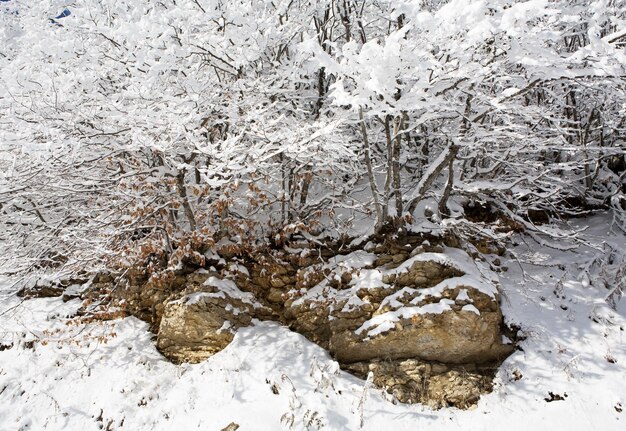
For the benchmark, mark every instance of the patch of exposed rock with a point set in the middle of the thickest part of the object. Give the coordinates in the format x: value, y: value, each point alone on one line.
x: 192, y: 330
x: 444, y: 315
x: 426, y: 322
x: 432, y: 383
x: 428, y: 328
x: 454, y: 337
x: 202, y: 323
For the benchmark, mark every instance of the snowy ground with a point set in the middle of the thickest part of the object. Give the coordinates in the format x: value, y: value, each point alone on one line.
x: 55, y: 376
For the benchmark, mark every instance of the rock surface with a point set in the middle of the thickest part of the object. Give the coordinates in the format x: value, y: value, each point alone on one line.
x: 194, y: 332
x: 454, y: 337
x: 410, y: 315
x: 434, y: 384
x: 417, y: 325
x: 202, y: 323
x: 423, y: 321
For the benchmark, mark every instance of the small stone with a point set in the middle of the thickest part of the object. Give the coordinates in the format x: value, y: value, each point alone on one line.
x: 277, y: 282
x: 421, y: 281
x: 383, y: 260
x: 399, y: 258
x: 417, y: 250
x: 389, y: 278
x: 276, y: 296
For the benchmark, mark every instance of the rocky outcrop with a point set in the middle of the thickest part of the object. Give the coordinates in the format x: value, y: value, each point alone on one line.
x: 422, y: 309
x: 193, y: 330
x: 418, y: 326
x: 426, y: 321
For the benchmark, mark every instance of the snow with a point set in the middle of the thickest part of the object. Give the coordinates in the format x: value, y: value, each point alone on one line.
x: 463, y: 295
x: 483, y: 280
x: 75, y: 289
x: 464, y: 280
x: 225, y: 288
x: 70, y: 379
x: 477, y: 276
x: 363, y: 278
x: 393, y: 300
x: 105, y: 102
x: 225, y: 327
x: 471, y: 308
x: 357, y: 259
x: 382, y: 323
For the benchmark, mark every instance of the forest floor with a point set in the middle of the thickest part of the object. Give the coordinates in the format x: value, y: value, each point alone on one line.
x: 58, y: 374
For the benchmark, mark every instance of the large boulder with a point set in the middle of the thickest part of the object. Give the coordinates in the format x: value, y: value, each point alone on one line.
x: 434, y: 307
x: 434, y: 332
x: 202, y: 323
x: 428, y: 329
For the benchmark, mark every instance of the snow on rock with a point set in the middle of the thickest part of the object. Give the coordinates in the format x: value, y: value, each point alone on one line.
x: 460, y: 275
x: 225, y: 288
x: 414, y: 309
x: 382, y: 323
x: 463, y: 296
x: 201, y: 324
x: 432, y: 332
x: 357, y: 259
x: 470, y: 308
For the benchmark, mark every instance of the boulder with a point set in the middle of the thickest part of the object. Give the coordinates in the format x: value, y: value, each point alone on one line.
x: 200, y: 324
x: 427, y: 308
x: 454, y: 337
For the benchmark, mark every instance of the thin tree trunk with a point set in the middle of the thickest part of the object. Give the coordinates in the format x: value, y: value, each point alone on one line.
x: 370, y: 172
x: 389, y: 176
x: 306, y: 184
x: 284, y: 209
x: 321, y: 90
x: 584, y: 140
x: 425, y: 183
x: 182, y: 192
x: 443, y: 202
x: 395, y: 164
x: 345, y: 19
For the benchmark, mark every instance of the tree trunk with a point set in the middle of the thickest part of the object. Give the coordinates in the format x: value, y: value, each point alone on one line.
x: 443, y: 202
x: 370, y: 172
x: 182, y: 192
x: 395, y: 164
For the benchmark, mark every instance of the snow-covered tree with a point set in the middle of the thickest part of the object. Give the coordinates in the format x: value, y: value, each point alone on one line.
x: 177, y: 125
